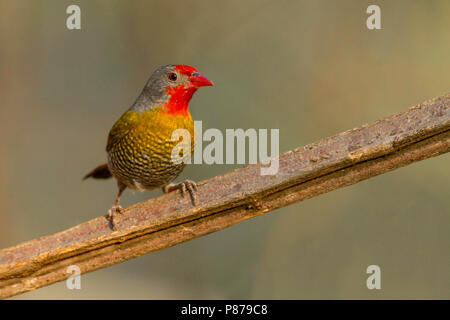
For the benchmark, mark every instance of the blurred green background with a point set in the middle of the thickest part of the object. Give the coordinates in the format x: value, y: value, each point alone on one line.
x: 310, y: 68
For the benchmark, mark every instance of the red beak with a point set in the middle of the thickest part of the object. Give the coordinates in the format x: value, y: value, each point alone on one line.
x: 198, y: 80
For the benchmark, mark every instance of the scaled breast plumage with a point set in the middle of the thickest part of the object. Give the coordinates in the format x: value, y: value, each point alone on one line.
x: 140, y: 147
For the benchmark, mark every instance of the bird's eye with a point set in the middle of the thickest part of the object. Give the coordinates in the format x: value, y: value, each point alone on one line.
x: 173, y: 76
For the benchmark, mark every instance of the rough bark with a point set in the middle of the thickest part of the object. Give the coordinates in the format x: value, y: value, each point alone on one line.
x: 419, y: 133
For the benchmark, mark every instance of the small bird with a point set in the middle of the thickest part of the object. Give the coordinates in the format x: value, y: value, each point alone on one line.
x: 139, y: 146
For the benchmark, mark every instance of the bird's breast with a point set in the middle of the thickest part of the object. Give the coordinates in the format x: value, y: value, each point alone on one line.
x: 142, y: 158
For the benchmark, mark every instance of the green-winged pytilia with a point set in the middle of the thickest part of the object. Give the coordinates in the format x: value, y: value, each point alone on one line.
x: 140, y: 144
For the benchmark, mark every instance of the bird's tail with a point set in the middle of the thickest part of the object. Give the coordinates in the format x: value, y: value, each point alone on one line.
x: 101, y: 172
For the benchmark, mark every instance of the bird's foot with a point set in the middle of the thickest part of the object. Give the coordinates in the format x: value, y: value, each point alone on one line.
x: 184, y: 187
x: 112, y: 213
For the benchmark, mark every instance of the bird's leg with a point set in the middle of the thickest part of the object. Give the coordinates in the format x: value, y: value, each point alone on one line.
x: 185, y: 186
x: 116, y: 208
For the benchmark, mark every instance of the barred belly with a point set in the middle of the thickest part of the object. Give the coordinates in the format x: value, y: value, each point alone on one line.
x: 144, y: 161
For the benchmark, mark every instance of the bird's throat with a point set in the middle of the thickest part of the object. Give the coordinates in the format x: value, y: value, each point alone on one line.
x: 179, y: 98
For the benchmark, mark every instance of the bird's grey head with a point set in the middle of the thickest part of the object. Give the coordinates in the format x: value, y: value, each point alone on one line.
x: 157, y: 90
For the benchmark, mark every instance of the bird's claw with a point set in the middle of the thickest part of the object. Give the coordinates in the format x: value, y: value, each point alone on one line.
x: 116, y: 209
x: 187, y: 186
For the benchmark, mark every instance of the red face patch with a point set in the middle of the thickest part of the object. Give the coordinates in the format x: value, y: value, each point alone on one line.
x: 179, y: 99
x: 182, y: 94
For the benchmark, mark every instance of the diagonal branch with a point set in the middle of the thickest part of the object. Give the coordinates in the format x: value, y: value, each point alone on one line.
x: 419, y: 133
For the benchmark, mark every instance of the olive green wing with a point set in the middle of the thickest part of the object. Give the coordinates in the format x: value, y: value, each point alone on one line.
x: 121, y: 129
